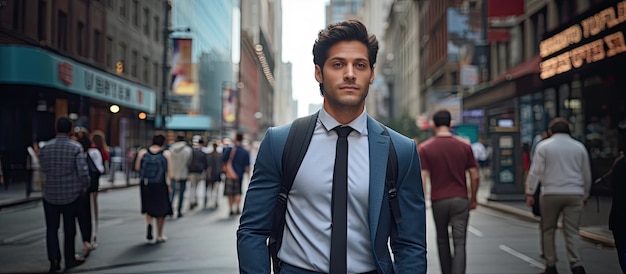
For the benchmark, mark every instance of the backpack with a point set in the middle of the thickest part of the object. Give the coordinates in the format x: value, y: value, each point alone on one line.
x: 293, y: 154
x: 153, y: 167
x: 198, y: 162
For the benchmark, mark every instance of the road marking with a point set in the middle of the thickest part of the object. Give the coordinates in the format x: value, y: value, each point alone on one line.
x: 40, y: 233
x: 522, y: 257
x: 23, y: 235
x: 475, y: 231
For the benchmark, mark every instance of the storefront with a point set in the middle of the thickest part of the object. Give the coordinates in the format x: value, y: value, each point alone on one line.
x: 505, y: 125
x: 38, y: 86
x: 584, y: 77
x: 578, y: 75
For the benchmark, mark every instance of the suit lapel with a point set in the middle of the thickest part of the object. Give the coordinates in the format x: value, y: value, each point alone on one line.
x: 378, y: 153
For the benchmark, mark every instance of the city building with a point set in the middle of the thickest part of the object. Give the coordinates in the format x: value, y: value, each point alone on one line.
x: 95, y: 61
x: 451, y: 55
x: 553, y: 58
x: 256, y: 89
x: 202, y: 70
x: 396, y: 92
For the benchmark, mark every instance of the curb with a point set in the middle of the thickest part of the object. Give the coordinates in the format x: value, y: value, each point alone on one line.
x: 528, y: 216
x: 19, y: 201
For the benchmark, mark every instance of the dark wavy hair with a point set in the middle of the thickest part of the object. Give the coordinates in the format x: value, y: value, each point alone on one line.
x: 349, y: 30
x: 158, y: 140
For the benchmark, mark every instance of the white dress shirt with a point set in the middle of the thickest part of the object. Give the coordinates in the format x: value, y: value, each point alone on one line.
x: 307, y: 233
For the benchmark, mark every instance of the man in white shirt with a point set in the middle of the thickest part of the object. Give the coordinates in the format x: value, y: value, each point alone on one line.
x: 561, y: 163
x: 481, y: 156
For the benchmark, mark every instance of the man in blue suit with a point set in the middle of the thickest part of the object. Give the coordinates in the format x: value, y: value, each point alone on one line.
x: 344, y: 57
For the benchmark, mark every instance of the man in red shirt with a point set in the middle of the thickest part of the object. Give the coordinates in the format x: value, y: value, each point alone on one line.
x: 445, y: 158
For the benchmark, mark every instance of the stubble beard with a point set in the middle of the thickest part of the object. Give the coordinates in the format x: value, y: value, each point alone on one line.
x: 340, y: 101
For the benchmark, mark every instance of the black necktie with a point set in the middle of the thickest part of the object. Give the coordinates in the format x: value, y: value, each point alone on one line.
x: 338, y: 249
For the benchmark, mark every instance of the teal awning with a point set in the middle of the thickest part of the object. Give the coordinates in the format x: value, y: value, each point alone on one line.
x: 188, y: 122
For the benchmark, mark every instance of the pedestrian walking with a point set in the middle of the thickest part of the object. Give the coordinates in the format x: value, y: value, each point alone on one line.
x: 480, y: 154
x: 213, y: 177
x: 97, y: 137
x: 561, y: 163
x: 340, y: 217
x: 197, y: 170
x: 34, y: 169
x: 236, y: 162
x: 179, y: 171
x: 67, y: 178
x: 87, y: 222
x: 445, y: 160
x: 152, y: 164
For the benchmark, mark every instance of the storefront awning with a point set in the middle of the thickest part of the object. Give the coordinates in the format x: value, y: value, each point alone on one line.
x: 529, y: 67
x: 189, y: 122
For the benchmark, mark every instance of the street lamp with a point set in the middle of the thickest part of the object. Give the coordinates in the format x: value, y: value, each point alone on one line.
x: 162, y: 108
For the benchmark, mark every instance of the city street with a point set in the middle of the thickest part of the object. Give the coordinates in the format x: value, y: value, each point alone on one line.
x: 204, y: 242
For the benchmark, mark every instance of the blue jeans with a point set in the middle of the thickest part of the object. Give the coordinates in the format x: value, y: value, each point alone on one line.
x: 179, y: 185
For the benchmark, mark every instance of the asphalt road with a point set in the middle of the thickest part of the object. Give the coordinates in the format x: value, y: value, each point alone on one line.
x: 204, y: 242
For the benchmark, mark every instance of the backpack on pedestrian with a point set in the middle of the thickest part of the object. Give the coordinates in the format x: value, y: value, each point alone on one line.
x: 199, y: 161
x: 153, y: 167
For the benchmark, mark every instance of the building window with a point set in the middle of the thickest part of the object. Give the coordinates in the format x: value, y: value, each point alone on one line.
x: 156, y: 28
x: 109, y: 50
x: 110, y: 4
x: 133, y: 65
x: 97, y: 46
x: 135, y: 11
x: 146, y: 21
x: 41, y: 23
x: 79, y: 38
x: 62, y: 31
x: 122, y: 8
x: 146, y: 67
x: 155, y: 72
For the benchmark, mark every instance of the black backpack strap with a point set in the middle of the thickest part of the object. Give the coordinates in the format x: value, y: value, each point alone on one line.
x: 392, y: 179
x: 296, y: 146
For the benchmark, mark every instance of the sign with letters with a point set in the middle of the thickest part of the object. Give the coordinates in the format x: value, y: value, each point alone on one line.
x: 594, y: 38
x: 34, y: 66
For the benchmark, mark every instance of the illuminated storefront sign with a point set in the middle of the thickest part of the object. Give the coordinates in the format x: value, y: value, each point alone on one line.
x: 557, y: 57
x: 33, y: 66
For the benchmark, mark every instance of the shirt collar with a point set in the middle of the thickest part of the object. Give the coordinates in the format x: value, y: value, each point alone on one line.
x: 359, y: 124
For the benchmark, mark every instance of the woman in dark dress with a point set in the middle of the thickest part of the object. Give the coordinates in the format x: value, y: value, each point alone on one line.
x: 152, y: 166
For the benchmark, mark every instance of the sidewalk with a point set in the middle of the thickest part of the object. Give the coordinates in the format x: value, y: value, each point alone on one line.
x: 593, y: 223
x: 15, y: 193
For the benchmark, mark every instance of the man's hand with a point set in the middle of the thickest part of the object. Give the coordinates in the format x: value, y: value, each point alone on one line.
x: 169, y: 188
x: 473, y: 204
x: 530, y: 200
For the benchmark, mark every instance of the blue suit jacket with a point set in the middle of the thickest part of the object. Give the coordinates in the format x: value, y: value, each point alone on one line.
x: 409, y: 247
